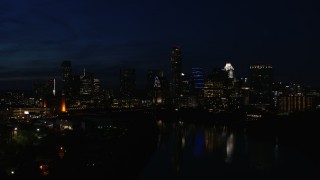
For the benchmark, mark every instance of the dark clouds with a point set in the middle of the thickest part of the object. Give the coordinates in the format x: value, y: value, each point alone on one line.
x: 103, y: 36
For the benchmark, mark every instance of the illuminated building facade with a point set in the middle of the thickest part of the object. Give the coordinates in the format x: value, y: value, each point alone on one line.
x: 215, y: 99
x: 232, y: 92
x: 292, y: 97
x: 86, y: 84
x: 157, y: 88
x: 295, y: 103
x: 244, y: 91
x: 215, y: 84
x: 89, y: 88
x: 96, y: 86
x: 185, y: 92
x: 151, y: 75
x: 28, y: 113
x: 230, y: 70
x: 197, y: 80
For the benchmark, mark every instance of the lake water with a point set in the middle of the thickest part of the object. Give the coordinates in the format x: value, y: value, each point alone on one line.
x: 197, y: 151
x: 146, y: 147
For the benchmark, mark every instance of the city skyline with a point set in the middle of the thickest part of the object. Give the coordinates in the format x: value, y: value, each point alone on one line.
x: 141, y: 76
x: 105, y: 37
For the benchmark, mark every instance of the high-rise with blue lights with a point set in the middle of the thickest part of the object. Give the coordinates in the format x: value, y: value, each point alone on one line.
x: 198, y: 78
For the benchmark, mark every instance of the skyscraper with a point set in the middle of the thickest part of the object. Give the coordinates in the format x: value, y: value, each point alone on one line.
x: 127, y: 83
x: 229, y: 69
x: 232, y: 88
x: 86, y: 84
x: 230, y: 80
x: 260, y: 80
x: 66, y: 71
x: 197, y: 78
x: 150, y: 86
x: 215, y: 85
x: 89, y: 88
x: 67, y: 79
x: 70, y: 84
x: 176, y: 71
x: 215, y: 91
x: 157, y: 85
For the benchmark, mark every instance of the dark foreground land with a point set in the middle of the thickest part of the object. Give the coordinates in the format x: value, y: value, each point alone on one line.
x: 98, y: 146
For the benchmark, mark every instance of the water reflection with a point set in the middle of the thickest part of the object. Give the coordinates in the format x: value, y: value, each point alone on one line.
x: 199, y: 144
x: 276, y: 149
x: 201, y: 141
x: 178, y: 152
x: 230, y: 148
x: 216, y: 150
x: 210, y: 140
x: 162, y: 129
x: 61, y: 152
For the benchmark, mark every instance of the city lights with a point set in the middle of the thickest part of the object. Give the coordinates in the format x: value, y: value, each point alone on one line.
x: 159, y: 89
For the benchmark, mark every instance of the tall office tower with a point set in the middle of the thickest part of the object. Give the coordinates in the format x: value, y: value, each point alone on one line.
x: 260, y: 81
x: 66, y: 71
x: 197, y: 84
x: 216, y: 84
x: 150, y: 86
x: 89, y: 88
x: 215, y: 99
x: 230, y: 70
x: 96, y: 86
x: 231, y: 80
x: 197, y: 80
x: 232, y: 88
x: 157, y: 87
x: 127, y: 83
x: 176, y: 71
x: 244, y: 91
x: 86, y: 84
x: 67, y: 79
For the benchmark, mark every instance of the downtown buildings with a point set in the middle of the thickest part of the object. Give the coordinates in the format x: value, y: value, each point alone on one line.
x: 216, y: 90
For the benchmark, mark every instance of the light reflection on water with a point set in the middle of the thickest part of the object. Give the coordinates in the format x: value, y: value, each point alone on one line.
x: 189, y: 150
x: 229, y: 148
x: 61, y: 152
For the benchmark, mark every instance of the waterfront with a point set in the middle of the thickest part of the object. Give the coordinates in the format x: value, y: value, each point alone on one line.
x: 144, y: 146
x: 259, y: 150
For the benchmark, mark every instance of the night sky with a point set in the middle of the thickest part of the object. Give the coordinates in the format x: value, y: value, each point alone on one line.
x: 104, y: 36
